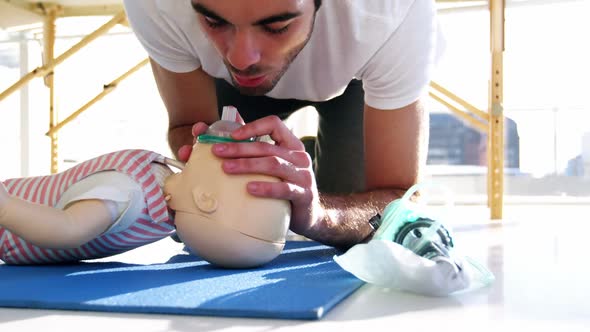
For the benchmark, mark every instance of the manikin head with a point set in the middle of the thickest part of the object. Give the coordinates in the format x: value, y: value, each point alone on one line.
x: 218, y: 219
x: 257, y: 39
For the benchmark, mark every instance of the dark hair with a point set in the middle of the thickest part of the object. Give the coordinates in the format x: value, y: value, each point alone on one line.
x: 318, y: 3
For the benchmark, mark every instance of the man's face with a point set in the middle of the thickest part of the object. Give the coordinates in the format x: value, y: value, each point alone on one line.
x: 257, y: 39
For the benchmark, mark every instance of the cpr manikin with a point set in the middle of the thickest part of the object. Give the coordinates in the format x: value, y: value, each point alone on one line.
x: 122, y: 200
x: 215, y: 216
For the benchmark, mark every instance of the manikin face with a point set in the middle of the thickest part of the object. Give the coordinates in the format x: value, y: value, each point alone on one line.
x: 257, y: 39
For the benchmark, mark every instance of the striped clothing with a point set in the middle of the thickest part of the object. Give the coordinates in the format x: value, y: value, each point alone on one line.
x: 153, y: 224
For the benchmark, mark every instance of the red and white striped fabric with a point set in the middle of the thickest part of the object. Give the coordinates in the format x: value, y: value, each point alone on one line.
x: 153, y: 224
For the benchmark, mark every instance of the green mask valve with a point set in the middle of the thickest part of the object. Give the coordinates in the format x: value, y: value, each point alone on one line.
x: 406, y: 222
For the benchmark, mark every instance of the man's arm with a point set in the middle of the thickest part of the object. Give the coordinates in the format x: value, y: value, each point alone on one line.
x: 189, y: 98
x: 395, y: 149
x: 396, y: 143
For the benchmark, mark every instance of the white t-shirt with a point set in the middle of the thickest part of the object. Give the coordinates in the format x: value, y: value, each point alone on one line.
x: 391, y: 45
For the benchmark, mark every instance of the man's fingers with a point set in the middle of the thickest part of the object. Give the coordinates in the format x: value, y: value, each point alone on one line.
x: 184, y: 152
x: 272, y: 166
x: 199, y: 128
x: 274, y: 127
x: 260, y: 149
x: 277, y: 190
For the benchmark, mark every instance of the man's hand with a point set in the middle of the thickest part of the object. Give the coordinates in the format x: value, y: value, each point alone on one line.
x: 286, y: 159
x: 185, y: 151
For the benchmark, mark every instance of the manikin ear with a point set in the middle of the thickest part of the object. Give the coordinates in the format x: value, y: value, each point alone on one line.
x: 205, y: 201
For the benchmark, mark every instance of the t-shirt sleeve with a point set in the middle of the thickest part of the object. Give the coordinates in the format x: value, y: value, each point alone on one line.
x: 160, y: 36
x: 400, y: 71
x: 111, y: 186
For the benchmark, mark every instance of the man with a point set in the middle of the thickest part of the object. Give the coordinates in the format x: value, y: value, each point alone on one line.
x: 364, y: 65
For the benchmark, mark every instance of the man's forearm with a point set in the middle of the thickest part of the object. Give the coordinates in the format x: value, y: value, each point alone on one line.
x: 346, y: 221
x: 179, y: 136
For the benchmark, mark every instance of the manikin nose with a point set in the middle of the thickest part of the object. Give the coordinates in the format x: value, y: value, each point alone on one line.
x: 243, y: 52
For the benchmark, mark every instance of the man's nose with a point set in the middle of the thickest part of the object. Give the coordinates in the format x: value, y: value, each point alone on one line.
x: 243, y: 51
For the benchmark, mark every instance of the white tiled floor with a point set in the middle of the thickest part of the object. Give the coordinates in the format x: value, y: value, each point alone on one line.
x: 538, y: 254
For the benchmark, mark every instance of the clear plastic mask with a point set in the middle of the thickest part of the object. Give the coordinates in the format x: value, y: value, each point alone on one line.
x: 413, y: 251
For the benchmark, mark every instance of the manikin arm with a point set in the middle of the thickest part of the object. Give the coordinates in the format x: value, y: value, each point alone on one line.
x: 49, y: 227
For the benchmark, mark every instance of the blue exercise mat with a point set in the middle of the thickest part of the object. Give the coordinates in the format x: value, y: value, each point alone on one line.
x: 304, y: 282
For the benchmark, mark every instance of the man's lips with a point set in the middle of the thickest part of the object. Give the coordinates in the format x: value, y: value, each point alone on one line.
x: 249, y: 81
